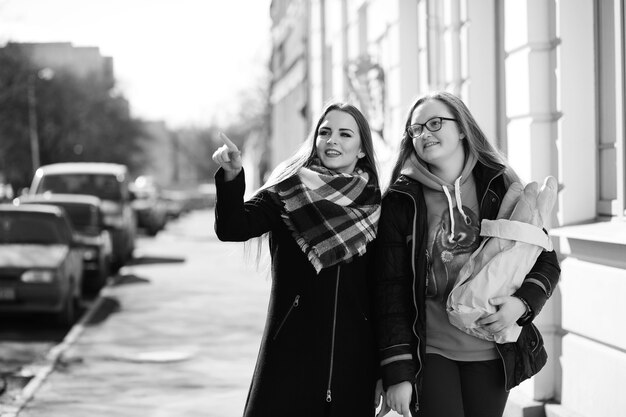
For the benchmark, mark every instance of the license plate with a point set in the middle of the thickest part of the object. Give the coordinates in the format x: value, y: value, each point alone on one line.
x: 7, y: 294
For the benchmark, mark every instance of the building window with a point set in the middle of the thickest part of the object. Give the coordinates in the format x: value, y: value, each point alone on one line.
x: 444, y: 23
x: 436, y: 54
x: 611, y: 132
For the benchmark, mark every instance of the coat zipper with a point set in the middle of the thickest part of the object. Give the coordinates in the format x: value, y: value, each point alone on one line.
x: 506, y: 379
x: 487, y: 190
x: 419, y: 358
x: 296, y: 303
x: 503, y: 367
x: 329, y: 396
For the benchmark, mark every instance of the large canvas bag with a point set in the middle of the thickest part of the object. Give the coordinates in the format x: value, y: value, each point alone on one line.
x: 507, y: 253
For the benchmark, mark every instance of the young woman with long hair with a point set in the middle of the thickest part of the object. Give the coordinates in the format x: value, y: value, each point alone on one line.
x: 448, y: 178
x: 321, y: 210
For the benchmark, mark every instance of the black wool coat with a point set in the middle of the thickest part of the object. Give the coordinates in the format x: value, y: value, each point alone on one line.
x: 318, y: 355
x: 401, y: 285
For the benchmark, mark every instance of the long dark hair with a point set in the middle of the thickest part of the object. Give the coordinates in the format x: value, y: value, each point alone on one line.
x: 307, y: 153
x: 476, y: 142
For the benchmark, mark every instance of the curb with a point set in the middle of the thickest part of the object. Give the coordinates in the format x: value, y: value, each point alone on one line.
x: 52, y: 358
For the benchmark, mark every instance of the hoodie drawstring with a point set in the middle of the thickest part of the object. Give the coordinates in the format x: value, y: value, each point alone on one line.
x: 459, y: 205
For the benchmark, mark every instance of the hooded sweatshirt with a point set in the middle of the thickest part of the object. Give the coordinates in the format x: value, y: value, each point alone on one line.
x: 453, y: 234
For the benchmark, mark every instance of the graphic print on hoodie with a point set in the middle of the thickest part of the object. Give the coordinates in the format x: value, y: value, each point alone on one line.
x: 451, y: 248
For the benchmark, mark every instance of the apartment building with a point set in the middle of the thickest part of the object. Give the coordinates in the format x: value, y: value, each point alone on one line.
x: 546, y: 81
x: 63, y: 56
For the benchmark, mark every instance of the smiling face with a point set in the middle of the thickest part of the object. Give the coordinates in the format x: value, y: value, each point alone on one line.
x: 338, y: 142
x: 444, y: 146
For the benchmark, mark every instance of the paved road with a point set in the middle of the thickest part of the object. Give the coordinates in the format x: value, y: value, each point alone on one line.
x: 181, y: 338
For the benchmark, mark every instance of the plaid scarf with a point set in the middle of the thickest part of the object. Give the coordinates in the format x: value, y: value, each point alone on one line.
x: 333, y: 216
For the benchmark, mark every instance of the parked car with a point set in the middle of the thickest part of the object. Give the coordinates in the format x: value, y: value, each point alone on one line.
x: 85, y: 214
x: 207, y: 194
x: 110, y: 183
x: 41, y: 264
x: 150, y: 208
x: 176, y: 203
x: 201, y: 197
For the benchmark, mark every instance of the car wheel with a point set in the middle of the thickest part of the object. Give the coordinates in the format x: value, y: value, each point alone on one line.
x: 103, y: 274
x: 130, y: 253
x: 67, y: 315
x: 98, y: 279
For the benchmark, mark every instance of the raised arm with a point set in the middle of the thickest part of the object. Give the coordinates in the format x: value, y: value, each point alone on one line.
x: 236, y: 220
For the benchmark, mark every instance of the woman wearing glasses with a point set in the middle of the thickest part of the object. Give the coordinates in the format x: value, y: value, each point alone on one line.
x: 448, y: 178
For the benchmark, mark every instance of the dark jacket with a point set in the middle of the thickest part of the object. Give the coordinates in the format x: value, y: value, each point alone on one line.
x: 401, y: 285
x: 318, y: 355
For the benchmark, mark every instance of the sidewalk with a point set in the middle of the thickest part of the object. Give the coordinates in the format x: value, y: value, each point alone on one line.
x: 181, y: 338
x: 175, y: 335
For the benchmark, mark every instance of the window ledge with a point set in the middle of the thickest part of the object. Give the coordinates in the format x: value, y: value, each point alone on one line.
x: 609, y: 232
x: 599, y: 242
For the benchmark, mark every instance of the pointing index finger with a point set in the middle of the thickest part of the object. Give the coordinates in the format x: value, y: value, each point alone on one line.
x: 228, y: 142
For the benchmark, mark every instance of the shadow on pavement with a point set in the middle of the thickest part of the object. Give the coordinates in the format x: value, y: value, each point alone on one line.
x: 107, y: 304
x: 106, y: 307
x: 117, y: 280
x: 147, y: 260
x: 10, y: 384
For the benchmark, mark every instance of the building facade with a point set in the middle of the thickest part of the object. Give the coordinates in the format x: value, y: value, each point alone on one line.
x: 546, y: 81
x: 81, y: 61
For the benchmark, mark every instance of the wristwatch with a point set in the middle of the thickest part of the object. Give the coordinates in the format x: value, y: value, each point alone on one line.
x: 527, y: 313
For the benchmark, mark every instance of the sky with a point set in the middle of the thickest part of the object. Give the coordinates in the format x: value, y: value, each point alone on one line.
x: 182, y: 61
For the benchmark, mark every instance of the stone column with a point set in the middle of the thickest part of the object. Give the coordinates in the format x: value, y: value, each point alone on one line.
x: 531, y: 109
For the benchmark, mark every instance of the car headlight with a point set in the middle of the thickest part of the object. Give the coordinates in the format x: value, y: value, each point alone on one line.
x: 90, y: 254
x: 38, y: 276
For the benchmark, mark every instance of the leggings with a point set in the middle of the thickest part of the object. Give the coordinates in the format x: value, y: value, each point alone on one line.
x: 462, y: 389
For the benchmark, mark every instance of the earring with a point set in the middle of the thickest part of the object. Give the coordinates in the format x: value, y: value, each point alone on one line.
x: 360, y: 155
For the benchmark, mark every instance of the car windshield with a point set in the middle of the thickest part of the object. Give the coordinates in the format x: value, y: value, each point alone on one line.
x: 30, y: 228
x: 104, y: 186
x: 83, y: 217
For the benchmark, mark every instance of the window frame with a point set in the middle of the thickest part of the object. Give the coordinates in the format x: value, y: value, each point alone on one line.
x: 613, y: 206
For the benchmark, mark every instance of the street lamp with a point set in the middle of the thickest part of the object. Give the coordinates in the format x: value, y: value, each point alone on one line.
x: 44, y: 74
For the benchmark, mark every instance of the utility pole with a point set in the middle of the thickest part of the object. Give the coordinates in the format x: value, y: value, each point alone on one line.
x: 32, y: 122
x: 44, y: 74
x: 175, y: 158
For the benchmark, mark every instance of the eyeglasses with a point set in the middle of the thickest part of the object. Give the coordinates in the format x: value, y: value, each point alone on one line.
x: 432, y: 125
